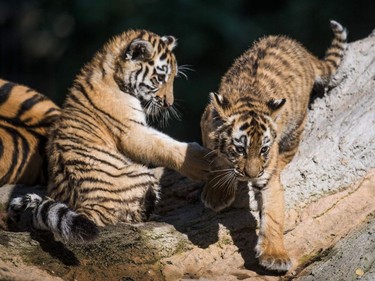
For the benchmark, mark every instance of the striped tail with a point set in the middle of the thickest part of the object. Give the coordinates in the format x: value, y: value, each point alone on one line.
x: 328, y: 66
x: 56, y: 217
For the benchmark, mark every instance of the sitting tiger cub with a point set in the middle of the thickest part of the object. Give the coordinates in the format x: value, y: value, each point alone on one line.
x: 25, y: 117
x: 254, y: 126
x: 100, y: 146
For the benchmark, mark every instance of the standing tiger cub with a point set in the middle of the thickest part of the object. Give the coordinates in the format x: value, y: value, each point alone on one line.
x: 25, y: 117
x: 101, y: 144
x: 254, y: 125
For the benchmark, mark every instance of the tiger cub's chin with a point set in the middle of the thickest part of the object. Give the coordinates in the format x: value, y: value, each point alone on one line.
x: 255, y: 121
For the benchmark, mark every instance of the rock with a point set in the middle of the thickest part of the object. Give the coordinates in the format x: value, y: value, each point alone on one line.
x: 350, y: 258
x: 329, y: 190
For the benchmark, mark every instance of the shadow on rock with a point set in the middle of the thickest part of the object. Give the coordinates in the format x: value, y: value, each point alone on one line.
x: 55, y: 249
x: 181, y: 207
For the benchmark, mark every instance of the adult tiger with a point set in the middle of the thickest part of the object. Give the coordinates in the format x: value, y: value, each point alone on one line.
x: 101, y: 145
x: 25, y: 117
x: 254, y: 126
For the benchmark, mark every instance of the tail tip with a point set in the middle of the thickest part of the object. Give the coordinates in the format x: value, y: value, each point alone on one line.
x: 335, y: 25
x: 338, y: 28
x: 84, y: 229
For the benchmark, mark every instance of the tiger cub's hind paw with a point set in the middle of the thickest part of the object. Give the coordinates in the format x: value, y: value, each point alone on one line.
x: 21, y: 203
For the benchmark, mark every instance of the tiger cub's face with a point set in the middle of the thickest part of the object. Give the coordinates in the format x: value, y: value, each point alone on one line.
x: 146, y: 68
x: 244, y: 138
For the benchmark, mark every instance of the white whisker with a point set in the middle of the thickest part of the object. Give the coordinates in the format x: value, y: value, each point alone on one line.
x: 181, y: 70
x: 209, y: 153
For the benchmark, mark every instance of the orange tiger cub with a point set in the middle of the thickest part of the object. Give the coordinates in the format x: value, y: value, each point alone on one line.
x: 25, y: 117
x: 101, y: 146
x: 254, y: 125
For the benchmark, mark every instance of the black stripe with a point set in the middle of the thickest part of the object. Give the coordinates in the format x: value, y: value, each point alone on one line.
x: 70, y: 138
x: 138, y: 72
x: 146, y: 71
x: 43, y: 210
x: 111, y: 189
x: 339, y: 39
x: 124, y: 174
x: 336, y: 45
x: 163, y: 56
x: 52, y: 110
x: 84, y: 148
x: 260, y: 53
x: 146, y: 86
x: 75, y: 162
x: 5, y: 91
x: 102, y: 59
x: 29, y: 103
x: 119, y: 124
x: 273, y: 69
x: 93, y: 180
x: 61, y: 213
x: 137, y: 122
x: 83, y: 129
x: 96, y: 159
x: 331, y: 61
x: 80, y: 88
x: 101, y: 215
x: 333, y: 54
x: 92, y: 205
x: 25, y: 153
x: 82, y: 121
x: 97, y: 200
x: 89, y: 73
x: 15, y: 155
x: 244, y: 126
x: 1, y: 148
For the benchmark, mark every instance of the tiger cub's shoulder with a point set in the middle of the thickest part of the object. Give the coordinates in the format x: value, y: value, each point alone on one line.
x: 25, y: 116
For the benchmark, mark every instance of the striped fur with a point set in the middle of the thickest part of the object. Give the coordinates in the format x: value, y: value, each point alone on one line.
x: 101, y: 145
x: 25, y: 116
x: 254, y: 126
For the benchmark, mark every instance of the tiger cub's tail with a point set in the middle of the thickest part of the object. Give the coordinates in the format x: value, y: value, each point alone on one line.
x: 327, y: 67
x: 56, y: 217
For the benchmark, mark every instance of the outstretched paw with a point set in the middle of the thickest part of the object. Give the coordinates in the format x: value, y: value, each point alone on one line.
x: 218, y: 196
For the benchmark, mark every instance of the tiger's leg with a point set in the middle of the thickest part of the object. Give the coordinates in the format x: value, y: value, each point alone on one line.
x: 130, y: 197
x: 270, y: 248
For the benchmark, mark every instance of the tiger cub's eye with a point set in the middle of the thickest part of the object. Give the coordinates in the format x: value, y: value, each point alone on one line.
x: 264, y: 149
x: 240, y: 149
x: 161, y: 77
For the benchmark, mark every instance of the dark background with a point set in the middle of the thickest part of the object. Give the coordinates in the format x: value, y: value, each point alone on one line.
x: 44, y: 43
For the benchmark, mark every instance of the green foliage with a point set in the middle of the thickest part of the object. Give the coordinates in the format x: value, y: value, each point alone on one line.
x: 45, y: 42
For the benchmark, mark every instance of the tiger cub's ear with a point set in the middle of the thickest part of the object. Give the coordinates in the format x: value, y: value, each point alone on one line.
x: 220, y: 104
x: 275, y: 105
x: 139, y: 49
x: 170, y: 41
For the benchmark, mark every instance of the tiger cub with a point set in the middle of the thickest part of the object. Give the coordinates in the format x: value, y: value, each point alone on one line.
x: 25, y: 116
x: 254, y: 125
x: 100, y: 147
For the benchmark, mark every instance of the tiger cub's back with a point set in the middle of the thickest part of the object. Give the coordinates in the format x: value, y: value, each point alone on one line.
x: 25, y: 116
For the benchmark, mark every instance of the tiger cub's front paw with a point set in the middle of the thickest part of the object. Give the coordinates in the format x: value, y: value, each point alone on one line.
x: 218, y: 194
x: 273, y: 257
